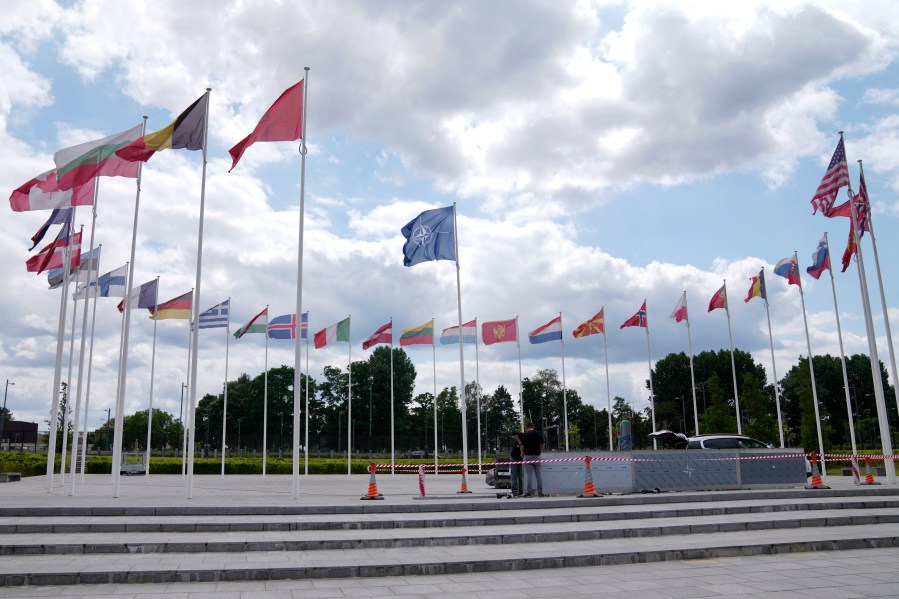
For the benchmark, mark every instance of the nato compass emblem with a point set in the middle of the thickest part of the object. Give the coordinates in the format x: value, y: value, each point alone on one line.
x: 421, y: 235
x: 689, y: 470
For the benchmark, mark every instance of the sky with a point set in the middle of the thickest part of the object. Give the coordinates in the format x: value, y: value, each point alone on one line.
x: 598, y: 153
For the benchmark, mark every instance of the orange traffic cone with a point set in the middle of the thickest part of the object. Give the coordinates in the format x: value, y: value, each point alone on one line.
x: 372, y: 485
x: 464, y: 488
x: 817, y: 483
x: 589, y: 489
x: 869, y: 475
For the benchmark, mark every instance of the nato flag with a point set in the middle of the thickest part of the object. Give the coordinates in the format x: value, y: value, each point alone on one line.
x: 430, y: 236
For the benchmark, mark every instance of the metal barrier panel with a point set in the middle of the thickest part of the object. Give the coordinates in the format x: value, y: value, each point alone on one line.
x: 682, y: 469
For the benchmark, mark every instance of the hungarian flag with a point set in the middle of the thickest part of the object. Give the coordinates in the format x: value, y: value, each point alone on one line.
x: 382, y: 335
x: 499, y: 331
x: 680, y: 310
x: 757, y: 287
x: 52, y: 255
x: 594, y: 326
x: 333, y: 334
x: 79, y: 164
x: 43, y: 193
x: 178, y: 307
x: 423, y: 334
x: 637, y: 320
x: 252, y: 327
x: 186, y: 132
x: 283, y: 121
x: 719, y: 300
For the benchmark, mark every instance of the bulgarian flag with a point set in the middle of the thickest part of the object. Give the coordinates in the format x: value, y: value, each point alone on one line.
x: 178, y: 307
x: 186, y: 132
x: 423, y: 334
x: 334, y: 333
x: 79, y: 164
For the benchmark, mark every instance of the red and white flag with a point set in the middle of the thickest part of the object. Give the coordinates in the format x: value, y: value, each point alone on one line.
x: 52, y: 255
x: 837, y: 176
x: 382, y: 335
x: 719, y: 300
x: 680, y: 310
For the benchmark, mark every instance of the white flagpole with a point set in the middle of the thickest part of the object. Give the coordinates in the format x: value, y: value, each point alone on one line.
x: 434, y: 352
x: 123, y: 362
x: 90, y: 358
x: 68, y: 411
x: 265, y: 398
x: 780, y: 422
x: 652, y: 394
x: 883, y: 299
x: 564, y: 388
x: 392, y: 431
x: 225, y: 396
x: 836, y: 311
x: 121, y: 353
x: 349, y: 399
x: 811, y: 369
x: 57, y: 374
x: 520, y: 379
x: 605, y: 344
x: 733, y: 364
x: 462, y: 398
x: 189, y: 434
x: 186, y: 416
x: 297, y: 355
x: 692, y: 373
x: 477, y: 370
x: 152, y: 375
x: 195, y: 308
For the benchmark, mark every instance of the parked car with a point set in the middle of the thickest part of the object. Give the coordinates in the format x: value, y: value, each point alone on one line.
x: 419, y: 454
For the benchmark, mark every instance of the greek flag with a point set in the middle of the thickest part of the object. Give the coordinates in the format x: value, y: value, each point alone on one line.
x: 216, y: 316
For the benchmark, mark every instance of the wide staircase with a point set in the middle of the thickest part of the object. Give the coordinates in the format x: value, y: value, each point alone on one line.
x: 438, y: 535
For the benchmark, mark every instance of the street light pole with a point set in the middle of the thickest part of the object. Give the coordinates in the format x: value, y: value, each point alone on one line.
x: 3, y: 415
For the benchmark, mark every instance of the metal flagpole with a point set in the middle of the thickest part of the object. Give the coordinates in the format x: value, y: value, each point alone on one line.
x: 349, y: 399
x: 652, y: 394
x: 392, y: 430
x: 68, y: 410
x: 520, y: 380
x: 297, y: 394
x: 185, y: 418
x: 123, y: 363
x: 692, y: 373
x: 733, y: 364
x: 195, y: 309
x: 811, y: 369
x: 477, y: 370
x: 462, y: 398
x: 883, y: 299
x: 57, y: 374
x: 780, y: 422
x: 90, y: 358
x: 605, y: 344
x: 225, y: 395
x: 434, y: 352
x: 564, y: 389
x: 836, y: 311
x: 265, y: 398
x: 121, y: 351
x: 152, y: 374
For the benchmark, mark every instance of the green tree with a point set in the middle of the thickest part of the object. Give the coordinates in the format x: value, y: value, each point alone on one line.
x: 720, y: 416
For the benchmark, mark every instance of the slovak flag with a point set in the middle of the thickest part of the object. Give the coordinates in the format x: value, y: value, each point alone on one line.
x: 820, y: 259
x: 551, y: 331
x: 788, y: 269
x: 637, y: 320
x: 680, y: 310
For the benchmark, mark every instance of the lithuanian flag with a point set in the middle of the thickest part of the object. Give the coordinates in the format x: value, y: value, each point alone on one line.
x: 185, y: 132
x: 174, y: 308
x: 423, y: 334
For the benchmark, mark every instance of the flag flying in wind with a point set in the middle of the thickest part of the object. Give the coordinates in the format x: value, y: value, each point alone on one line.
x: 332, y: 334
x: 142, y: 297
x: 851, y: 249
x: 79, y: 164
x: 594, y: 326
x: 719, y: 300
x: 499, y: 331
x: 304, y: 326
x: 788, y: 269
x: 820, y: 259
x: 551, y: 331
x: 383, y: 335
x: 282, y: 327
x: 89, y: 265
x: 637, y: 320
x: 59, y: 216
x: 252, y: 327
x: 680, y: 310
x: 112, y: 284
x: 43, y: 193
x: 177, y: 308
x: 862, y: 207
x: 836, y: 176
x: 283, y: 121
x: 450, y: 336
x: 52, y: 255
x: 423, y: 334
x: 757, y: 287
x: 184, y: 133
x: 429, y: 236
x: 215, y: 317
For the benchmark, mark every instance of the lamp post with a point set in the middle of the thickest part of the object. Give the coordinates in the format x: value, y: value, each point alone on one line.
x: 3, y: 415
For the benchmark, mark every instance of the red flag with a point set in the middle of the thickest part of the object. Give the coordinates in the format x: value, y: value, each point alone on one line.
x: 851, y: 249
x: 594, y: 326
x: 836, y: 176
x: 499, y: 331
x: 637, y: 320
x: 52, y: 255
x: 719, y: 300
x: 282, y: 122
x: 680, y: 310
x: 382, y: 335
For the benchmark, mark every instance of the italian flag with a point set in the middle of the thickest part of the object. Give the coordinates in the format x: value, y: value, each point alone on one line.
x: 333, y: 333
x: 423, y: 334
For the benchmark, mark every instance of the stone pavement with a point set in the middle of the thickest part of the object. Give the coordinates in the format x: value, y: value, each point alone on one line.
x: 244, y: 536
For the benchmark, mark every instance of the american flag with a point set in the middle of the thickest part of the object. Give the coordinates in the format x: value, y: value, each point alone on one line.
x: 837, y: 176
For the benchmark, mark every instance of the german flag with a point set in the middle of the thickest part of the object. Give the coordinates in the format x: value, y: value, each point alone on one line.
x: 186, y: 132
x: 174, y: 308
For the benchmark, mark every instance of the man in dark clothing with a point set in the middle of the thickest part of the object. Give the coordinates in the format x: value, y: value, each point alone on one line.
x: 515, y: 469
x: 532, y: 443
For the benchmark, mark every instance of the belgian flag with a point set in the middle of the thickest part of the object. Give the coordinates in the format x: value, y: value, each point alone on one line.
x: 186, y: 132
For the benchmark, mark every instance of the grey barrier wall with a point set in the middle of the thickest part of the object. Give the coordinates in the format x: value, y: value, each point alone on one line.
x: 682, y: 470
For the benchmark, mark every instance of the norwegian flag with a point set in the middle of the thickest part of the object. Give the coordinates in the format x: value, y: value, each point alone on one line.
x: 638, y: 319
x: 837, y: 176
x: 862, y: 207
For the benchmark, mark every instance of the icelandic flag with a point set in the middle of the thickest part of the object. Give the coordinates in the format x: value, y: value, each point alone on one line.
x: 450, y: 336
x: 820, y: 259
x: 216, y: 317
x: 304, y: 326
x: 283, y: 327
x: 551, y: 331
x: 430, y: 236
x: 788, y: 269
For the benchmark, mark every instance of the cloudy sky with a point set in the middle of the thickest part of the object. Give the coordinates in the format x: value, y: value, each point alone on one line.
x: 599, y: 153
